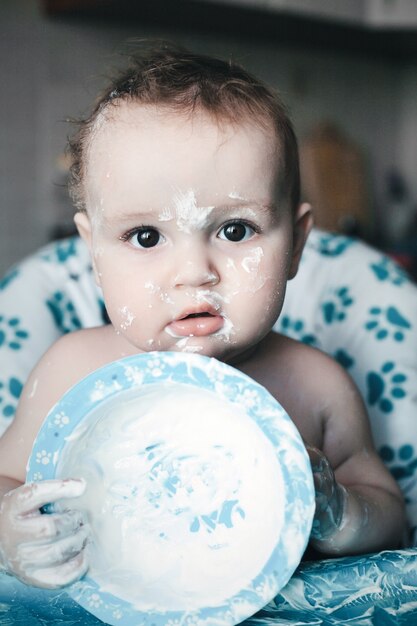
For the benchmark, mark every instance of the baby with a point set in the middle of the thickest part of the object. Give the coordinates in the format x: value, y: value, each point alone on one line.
x: 186, y: 182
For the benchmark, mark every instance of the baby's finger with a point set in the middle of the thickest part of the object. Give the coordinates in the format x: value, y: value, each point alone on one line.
x: 31, y: 497
x: 61, y: 575
x: 50, y: 526
x: 52, y: 554
x: 316, y: 458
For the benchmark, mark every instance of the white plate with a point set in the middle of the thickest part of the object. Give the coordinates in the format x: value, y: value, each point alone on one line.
x: 200, y: 494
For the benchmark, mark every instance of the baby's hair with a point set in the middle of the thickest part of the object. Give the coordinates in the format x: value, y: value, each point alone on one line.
x: 167, y: 75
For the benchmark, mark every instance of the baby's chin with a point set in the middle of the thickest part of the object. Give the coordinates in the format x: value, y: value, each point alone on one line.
x: 226, y: 351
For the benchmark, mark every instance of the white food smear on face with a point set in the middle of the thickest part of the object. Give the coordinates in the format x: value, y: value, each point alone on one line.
x: 212, y: 298
x: 190, y: 216
x: 251, y: 265
x: 251, y: 262
x: 185, y: 497
x: 166, y: 215
x: 155, y: 289
x: 182, y: 344
x: 227, y: 331
x: 234, y: 195
x: 128, y: 318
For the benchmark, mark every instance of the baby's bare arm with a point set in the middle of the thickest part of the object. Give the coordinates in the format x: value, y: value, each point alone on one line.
x: 359, y: 505
x: 42, y: 550
x: 62, y: 366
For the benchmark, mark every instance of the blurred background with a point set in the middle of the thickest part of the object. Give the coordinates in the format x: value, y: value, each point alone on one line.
x: 347, y: 71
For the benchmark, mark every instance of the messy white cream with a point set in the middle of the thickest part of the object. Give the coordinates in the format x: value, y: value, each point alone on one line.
x: 234, y: 195
x: 227, y: 331
x: 127, y: 316
x: 251, y: 263
x: 39, y: 556
x: 166, y: 215
x: 181, y: 484
x: 190, y: 216
x: 213, y: 298
x: 156, y: 289
x: 183, y: 345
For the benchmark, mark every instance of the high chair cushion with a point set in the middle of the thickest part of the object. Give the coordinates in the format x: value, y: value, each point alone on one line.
x: 348, y: 300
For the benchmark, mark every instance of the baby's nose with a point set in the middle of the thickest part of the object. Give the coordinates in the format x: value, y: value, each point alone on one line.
x: 194, y: 271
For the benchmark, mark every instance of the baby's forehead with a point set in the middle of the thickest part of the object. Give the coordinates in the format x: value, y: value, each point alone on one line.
x: 123, y: 115
x: 148, y: 151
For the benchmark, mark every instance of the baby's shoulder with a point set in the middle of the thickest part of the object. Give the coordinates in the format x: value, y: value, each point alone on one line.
x: 75, y: 355
x: 66, y: 362
x: 318, y: 394
x: 279, y: 352
x: 300, y: 376
x: 69, y: 348
x: 83, y: 339
x: 61, y: 367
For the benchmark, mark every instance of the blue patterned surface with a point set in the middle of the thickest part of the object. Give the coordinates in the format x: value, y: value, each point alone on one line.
x: 374, y: 590
x: 139, y: 373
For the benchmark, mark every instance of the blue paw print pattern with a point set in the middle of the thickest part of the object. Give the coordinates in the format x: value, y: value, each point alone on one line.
x: 12, y: 335
x: 295, y: 328
x: 63, y: 312
x: 9, y: 395
x: 385, y: 387
x: 335, y: 308
x: 103, y: 312
x: 402, y: 463
x: 61, y: 251
x: 333, y: 245
x: 344, y: 358
x: 385, y: 270
x: 9, y: 278
x: 387, y: 323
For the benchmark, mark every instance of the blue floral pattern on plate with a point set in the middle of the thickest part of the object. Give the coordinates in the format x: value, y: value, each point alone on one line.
x: 138, y: 372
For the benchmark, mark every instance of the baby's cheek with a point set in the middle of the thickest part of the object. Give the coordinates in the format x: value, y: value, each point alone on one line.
x: 252, y: 259
x: 274, y: 298
x: 248, y: 274
x: 260, y: 290
x: 125, y: 317
x: 154, y: 294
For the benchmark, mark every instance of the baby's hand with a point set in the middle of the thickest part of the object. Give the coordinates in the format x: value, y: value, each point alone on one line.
x: 330, y: 497
x: 44, y: 550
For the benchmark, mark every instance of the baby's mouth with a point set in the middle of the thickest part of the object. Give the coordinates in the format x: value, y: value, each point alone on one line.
x: 196, y: 324
x: 195, y: 315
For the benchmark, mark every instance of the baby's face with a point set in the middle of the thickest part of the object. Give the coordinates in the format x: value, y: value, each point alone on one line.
x: 189, y: 245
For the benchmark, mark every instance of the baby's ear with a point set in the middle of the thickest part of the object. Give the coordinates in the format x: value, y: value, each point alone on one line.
x: 83, y: 224
x: 303, y: 223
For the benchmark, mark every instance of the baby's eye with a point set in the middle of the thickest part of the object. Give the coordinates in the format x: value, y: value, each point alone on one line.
x: 146, y: 237
x: 236, y: 231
